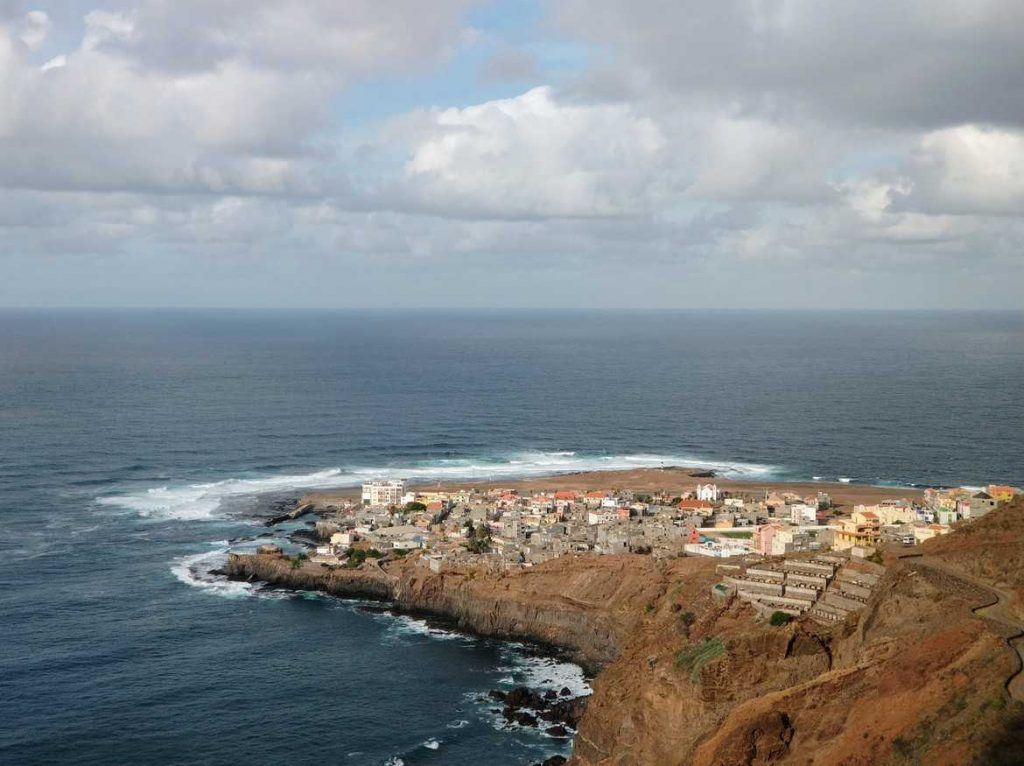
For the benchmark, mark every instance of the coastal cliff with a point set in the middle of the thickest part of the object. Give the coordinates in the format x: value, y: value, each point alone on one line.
x: 928, y: 672
x: 585, y: 606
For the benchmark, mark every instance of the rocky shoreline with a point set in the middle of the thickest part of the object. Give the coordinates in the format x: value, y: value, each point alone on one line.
x: 557, y: 714
x: 689, y: 678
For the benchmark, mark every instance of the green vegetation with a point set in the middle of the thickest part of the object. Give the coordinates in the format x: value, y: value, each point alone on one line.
x: 299, y: 559
x: 780, y: 618
x: 478, y: 538
x: 413, y: 506
x: 692, y: 659
x: 688, y: 618
x: 356, y: 556
x: 738, y: 535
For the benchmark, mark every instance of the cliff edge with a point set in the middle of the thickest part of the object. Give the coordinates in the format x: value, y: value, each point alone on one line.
x: 928, y: 672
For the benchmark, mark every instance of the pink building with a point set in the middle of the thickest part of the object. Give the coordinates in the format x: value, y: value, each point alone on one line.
x: 763, y: 536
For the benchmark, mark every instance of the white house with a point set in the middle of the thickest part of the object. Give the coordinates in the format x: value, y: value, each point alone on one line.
x: 707, y: 492
x: 801, y: 513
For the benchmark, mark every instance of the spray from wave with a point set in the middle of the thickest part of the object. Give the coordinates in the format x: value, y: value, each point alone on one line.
x: 206, y: 500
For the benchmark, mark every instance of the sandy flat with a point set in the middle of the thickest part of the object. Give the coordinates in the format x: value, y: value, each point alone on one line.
x: 673, y: 480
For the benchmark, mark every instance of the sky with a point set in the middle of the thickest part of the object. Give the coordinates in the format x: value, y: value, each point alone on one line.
x: 464, y: 153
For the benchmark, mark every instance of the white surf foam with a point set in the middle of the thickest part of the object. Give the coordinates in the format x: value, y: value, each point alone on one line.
x: 432, y: 744
x: 544, y: 672
x: 202, y: 501
x: 194, y: 570
x: 402, y: 626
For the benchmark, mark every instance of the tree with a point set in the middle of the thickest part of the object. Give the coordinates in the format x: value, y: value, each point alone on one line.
x: 780, y: 618
x: 413, y: 506
x: 478, y: 539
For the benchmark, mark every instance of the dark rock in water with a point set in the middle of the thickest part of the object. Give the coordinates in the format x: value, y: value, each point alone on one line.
x: 525, y: 719
x: 522, y: 696
x: 550, y: 694
x: 557, y: 731
x: 565, y: 692
x: 304, y: 537
x: 555, y: 760
x: 568, y: 712
x: 494, y: 694
x: 702, y: 474
x: 301, y: 510
x: 218, y: 572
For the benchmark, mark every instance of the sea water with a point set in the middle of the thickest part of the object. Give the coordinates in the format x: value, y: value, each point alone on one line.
x: 136, y: 445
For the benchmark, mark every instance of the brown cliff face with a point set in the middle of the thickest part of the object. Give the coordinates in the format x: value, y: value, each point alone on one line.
x: 687, y: 679
x: 916, y: 678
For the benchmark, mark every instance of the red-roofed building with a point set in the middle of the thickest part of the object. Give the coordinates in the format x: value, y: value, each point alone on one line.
x: 696, y: 506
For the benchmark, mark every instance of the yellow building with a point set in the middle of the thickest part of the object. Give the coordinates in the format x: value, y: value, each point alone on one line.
x: 1002, y: 492
x: 863, y: 529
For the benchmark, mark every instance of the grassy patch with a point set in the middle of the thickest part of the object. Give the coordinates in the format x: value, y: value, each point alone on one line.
x: 693, y: 658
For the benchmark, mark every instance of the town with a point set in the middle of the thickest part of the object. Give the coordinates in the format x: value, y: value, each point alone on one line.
x: 783, y: 552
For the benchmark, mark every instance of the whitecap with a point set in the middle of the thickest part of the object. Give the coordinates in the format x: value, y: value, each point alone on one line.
x: 546, y: 673
x: 432, y: 744
x: 194, y: 570
x: 201, y: 501
x: 205, y: 500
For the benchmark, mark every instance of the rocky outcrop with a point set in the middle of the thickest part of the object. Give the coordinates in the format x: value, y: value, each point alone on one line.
x: 277, y: 570
x: 688, y: 679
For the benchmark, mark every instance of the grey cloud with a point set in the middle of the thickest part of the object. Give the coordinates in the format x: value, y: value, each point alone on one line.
x: 915, y: 63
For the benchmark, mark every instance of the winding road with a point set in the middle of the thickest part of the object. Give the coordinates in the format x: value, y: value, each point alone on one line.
x: 997, y: 611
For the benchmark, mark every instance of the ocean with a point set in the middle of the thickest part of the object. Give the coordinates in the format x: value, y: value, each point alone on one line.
x: 135, y: 445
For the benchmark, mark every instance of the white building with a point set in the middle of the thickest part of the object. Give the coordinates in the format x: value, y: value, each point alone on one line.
x: 383, y: 492
x: 707, y: 492
x: 720, y: 549
x: 801, y: 513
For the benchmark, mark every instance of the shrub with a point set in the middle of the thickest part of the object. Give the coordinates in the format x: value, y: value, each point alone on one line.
x: 692, y: 659
x: 414, y: 505
x: 780, y: 618
x: 357, y: 556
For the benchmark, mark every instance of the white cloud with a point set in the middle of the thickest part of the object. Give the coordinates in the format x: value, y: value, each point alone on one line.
x: 34, y: 29
x: 967, y: 169
x: 533, y: 155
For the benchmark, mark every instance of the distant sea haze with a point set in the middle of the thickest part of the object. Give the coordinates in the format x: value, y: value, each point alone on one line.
x: 134, y: 445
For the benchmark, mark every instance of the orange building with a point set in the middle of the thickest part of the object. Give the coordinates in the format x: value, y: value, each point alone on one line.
x: 1002, y: 492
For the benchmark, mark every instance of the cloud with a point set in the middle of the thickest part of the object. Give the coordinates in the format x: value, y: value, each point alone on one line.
x: 674, y: 153
x: 343, y: 38
x: 35, y: 28
x: 914, y: 63
x: 510, y: 64
x: 969, y: 169
x: 534, y: 156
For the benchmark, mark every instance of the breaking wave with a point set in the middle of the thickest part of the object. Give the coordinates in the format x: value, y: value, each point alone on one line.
x: 206, y: 500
